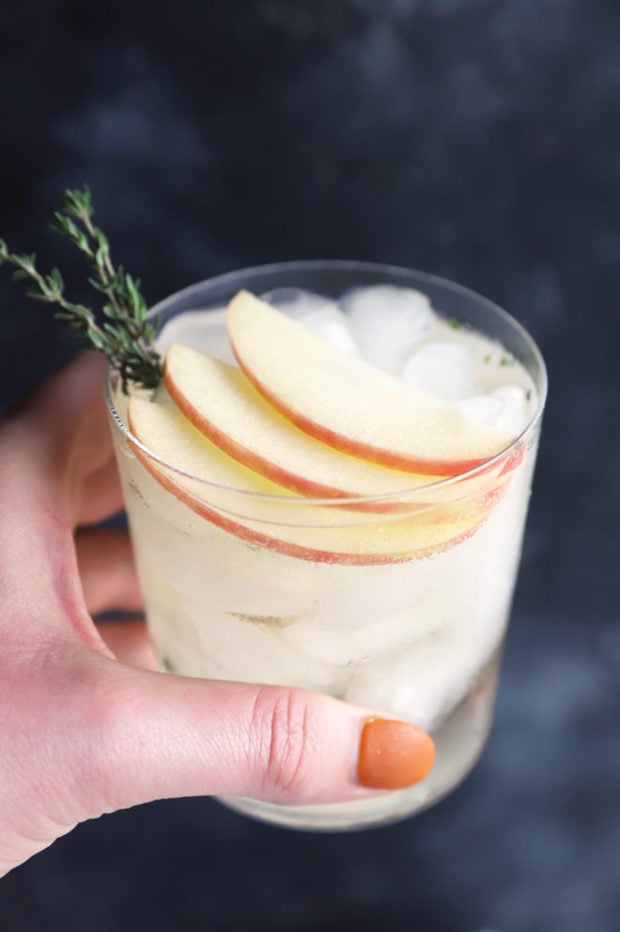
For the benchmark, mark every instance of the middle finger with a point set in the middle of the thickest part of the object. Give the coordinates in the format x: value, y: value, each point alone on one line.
x: 107, y: 570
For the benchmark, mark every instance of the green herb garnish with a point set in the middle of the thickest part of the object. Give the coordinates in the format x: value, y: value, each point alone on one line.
x: 507, y: 360
x: 454, y: 323
x: 126, y: 336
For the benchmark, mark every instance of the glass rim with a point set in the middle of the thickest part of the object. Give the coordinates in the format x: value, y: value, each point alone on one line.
x: 411, y: 493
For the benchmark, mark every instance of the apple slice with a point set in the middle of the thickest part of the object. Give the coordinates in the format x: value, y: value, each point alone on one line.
x: 348, y: 403
x: 289, y: 524
x: 222, y: 403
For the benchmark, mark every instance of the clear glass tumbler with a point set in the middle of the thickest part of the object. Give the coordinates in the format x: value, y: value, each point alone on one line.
x: 398, y: 603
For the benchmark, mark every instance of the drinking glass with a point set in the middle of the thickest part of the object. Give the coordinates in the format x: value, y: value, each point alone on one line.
x: 396, y: 602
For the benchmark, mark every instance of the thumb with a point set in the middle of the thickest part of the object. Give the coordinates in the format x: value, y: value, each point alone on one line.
x: 164, y: 736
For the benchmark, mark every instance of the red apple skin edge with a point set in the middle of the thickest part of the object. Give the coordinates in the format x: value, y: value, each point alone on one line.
x: 286, y: 548
x: 291, y: 481
x: 269, y: 469
x: 365, y: 451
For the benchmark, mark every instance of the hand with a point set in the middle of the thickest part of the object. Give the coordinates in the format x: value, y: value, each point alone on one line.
x: 85, y: 726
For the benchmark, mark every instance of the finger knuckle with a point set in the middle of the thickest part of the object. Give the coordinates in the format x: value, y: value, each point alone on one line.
x: 289, y: 729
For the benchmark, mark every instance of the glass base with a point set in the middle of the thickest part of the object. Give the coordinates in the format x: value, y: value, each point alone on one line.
x: 459, y: 743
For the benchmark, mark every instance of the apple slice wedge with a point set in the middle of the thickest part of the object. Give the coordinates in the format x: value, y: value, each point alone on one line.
x: 242, y: 502
x: 223, y: 404
x: 348, y: 403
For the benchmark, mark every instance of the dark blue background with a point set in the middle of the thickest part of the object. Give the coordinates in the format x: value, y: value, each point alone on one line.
x: 478, y: 139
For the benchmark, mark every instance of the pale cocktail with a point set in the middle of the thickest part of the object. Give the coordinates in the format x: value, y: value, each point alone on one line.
x: 344, y: 510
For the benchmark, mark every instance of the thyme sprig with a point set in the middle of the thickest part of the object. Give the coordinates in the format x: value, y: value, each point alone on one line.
x: 126, y: 335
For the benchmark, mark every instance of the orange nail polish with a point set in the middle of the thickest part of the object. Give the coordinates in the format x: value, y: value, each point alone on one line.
x: 393, y: 754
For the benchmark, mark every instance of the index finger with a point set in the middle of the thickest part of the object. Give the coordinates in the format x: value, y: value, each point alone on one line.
x: 49, y: 445
x: 58, y: 440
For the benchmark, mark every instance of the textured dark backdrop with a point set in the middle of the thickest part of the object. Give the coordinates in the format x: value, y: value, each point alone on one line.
x: 478, y: 139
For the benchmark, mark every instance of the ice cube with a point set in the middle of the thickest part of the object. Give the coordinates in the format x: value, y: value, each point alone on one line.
x: 505, y: 409
x: 330, y: 323
x: 317, y: 313
x: 387, y: 322
x: 515, y: 408
x: 294, y: 301
x: 482, y: 410
x: 412, y: 685
x: 252, y: 649
x: 204, y: 330
x: 444, y: 368
x: 345, y: 646
x: 426, y: 680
